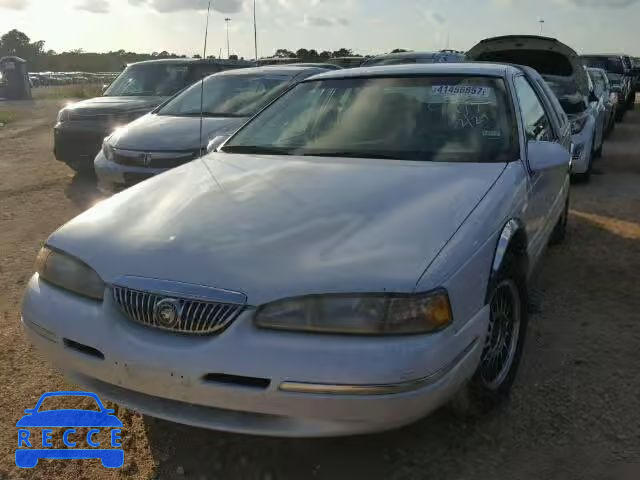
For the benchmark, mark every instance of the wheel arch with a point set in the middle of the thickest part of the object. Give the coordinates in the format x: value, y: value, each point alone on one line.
x: 512, y: 240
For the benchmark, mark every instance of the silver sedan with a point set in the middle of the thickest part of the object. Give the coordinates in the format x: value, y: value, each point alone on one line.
x: 355, y: 256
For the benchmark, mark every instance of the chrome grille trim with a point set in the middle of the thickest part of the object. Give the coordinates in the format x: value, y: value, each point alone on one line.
x: 196, y: 316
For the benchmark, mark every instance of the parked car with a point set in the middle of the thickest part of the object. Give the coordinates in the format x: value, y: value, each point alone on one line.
x: 326, y: 66
x: 631, y: 72
x: 619, y: 77
x: 81, y: 127
x: 170, y: 135
x: 314, y: 278
x: 636, y: 71
x: 608, y: 101
x: 413, y: 57
x: 563, y: 71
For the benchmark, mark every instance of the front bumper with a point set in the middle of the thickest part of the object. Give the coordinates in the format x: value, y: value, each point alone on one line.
x: 582, y: 151
x: 113, y: 177
x: 169, y: 376
x: 78, y: 143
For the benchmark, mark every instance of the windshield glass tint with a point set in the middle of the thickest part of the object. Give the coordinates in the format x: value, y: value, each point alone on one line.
x: 152, y: 79
x: 227, y: 95
x: 610, y: 64
x: 452, y: 118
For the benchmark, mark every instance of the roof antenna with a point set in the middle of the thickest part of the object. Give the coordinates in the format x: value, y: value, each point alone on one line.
x: 204, y: 57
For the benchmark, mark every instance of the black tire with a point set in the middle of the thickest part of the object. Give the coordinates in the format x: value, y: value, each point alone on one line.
x: 620, y: 113
x: 560, y: 230
x: 632, y: 101
x: 484, y: 391
x: 598, y: 153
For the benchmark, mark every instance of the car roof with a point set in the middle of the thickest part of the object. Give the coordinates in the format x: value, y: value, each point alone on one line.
x: 468, y: 68
x: 291, y: 70
x: 415, y: 55
x: 187, y: 61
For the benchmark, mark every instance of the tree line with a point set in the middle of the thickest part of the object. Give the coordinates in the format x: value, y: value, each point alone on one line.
x: 40, y: 59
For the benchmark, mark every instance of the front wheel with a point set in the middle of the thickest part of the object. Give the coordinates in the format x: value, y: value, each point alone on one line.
x: 503, y: 344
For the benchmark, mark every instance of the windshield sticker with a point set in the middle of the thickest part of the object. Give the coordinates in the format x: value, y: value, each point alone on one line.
x: 460, y: 91
x: 491, y: 133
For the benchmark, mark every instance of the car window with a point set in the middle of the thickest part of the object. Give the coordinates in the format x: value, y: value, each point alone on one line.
x: 149, y: 79
x: 536, y: 123
x: 598, y: 83
x: 227, y: 95
x: 426, y: 118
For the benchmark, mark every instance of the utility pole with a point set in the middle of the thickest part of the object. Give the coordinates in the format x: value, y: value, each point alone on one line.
x: 227, y: 20
x: 255, y: 31
x: 541, y: 22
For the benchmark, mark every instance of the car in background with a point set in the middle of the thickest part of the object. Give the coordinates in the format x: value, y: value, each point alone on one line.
x: 170, y: 135
x: 563, y: 72
x: 619, y: 77
x: 414, y: 57
x: 81, y: 127
x: 607, y: 98
x: 322, y: 235
x: 326, y: 66
x: 636, y: 71
x: 632, y: 73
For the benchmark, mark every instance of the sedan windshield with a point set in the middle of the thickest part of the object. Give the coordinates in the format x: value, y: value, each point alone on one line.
x: 227, y: 95
x: 149, y: 79
x: 426, y: 118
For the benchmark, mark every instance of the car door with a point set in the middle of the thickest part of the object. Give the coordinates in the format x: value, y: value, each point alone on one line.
x: 545, y: 186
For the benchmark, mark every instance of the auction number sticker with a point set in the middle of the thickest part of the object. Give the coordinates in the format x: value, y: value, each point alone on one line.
x: 460, y: 90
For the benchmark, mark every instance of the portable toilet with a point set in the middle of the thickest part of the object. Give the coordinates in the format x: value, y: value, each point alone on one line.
x: 15, y: 78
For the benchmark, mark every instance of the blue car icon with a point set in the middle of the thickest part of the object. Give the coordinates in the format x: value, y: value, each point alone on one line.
x: 69, y: 419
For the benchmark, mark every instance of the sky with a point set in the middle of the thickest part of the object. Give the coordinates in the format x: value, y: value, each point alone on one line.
x: 366, y: 26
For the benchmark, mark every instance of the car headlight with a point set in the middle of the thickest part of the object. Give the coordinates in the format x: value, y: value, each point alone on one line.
x: 63, y: 115
x: 578, y: 123
x: 364, y: 314
x: 69, y: 273
x: 107, y: 150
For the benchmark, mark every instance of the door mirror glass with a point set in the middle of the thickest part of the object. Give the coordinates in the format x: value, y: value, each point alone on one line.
x: 547, y: 155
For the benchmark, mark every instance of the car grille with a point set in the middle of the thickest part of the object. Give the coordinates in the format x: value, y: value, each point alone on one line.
x: 153, y: 159
x: 195, y: 317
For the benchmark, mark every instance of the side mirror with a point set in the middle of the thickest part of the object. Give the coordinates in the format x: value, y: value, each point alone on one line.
x: 593, y: 97
x: 547, y: 155
x: 213, y: 145
x: 104, y: 87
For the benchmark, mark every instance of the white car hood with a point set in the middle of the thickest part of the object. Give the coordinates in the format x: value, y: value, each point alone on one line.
x: 278, y: 226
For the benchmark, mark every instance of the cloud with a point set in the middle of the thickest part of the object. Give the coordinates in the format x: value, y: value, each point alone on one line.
x: 315, y: 21
x: 603, y: 3
x: 167, y: 6
x: 13, y: 4
x: 94, y: 6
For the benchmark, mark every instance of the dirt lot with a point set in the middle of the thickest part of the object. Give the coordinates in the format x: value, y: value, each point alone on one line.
x: 574, y: 413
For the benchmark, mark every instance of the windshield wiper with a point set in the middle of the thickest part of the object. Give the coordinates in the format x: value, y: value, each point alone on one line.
x: 256, y: 149
x: 352, y: 154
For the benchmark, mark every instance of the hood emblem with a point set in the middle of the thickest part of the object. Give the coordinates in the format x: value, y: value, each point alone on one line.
x: 167, y: 312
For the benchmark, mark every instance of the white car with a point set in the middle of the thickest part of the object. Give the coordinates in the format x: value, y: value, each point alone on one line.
x: 355, y: 256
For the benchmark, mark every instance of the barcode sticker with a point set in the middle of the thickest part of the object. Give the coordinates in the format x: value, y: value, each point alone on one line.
x: 460, y: 91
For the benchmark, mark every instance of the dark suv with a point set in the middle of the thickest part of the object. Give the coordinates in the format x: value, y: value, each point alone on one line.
x: 81, y: 127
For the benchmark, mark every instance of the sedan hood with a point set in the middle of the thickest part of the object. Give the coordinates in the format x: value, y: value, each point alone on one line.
x: 113, y: 106
x: 279, y: 226
x: 162, y: 132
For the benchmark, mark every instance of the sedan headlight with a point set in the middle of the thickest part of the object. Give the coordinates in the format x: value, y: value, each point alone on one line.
x: 578, y: 122
x: 107, y: 150
x: 69, y: 273
x: 365, y: 314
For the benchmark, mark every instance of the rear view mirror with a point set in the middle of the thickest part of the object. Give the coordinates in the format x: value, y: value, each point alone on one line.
x: 547, y: 155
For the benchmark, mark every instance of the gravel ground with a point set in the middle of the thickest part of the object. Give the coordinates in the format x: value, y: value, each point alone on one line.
x: 573, y: 414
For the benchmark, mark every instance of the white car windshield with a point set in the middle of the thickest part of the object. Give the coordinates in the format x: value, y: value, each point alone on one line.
x: 443, y: 118
x: 227, y: 95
